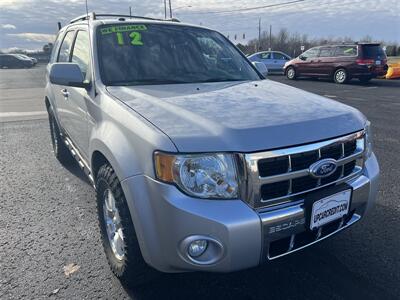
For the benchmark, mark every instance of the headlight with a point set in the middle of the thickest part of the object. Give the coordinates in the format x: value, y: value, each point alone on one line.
x: 368, y: 139
x: 199, y: 175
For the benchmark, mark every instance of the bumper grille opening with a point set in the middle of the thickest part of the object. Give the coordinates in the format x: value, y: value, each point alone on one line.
x: 278, y: 247
x: 282, y: 246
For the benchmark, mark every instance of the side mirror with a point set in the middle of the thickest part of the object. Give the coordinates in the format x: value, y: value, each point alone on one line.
x: 302, y: 57
x: 68, y: 74
x: 261, y: 67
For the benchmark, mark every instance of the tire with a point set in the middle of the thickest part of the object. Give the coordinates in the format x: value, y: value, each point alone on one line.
x: 291, y: 73
x: 340, y: 76
x: 123, y: 255
x: 365, y: 79
x: 60, y: 150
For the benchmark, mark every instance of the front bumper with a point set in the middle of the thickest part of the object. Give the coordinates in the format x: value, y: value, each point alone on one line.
x: 164, y: 217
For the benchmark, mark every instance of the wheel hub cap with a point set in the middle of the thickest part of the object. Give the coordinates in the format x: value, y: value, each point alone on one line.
x: 113, y: 225
x: 340, y: 76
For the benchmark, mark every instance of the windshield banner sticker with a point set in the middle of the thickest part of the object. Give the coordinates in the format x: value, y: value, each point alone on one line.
x: 122, y: 28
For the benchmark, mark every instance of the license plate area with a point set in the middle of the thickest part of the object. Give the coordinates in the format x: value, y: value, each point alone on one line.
x: 377, y: 62
x: 313, y: 205
x: 330, y: 209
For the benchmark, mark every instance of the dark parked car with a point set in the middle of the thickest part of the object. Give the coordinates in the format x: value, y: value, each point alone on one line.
x: 15, y: 61
x: 340, y: 62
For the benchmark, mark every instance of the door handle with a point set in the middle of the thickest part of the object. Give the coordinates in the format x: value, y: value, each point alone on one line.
x: 65, y: 93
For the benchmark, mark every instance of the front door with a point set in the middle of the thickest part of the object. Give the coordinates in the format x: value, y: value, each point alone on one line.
x: 309, y: 63
x: 78, y: 97
x: 60, y: 92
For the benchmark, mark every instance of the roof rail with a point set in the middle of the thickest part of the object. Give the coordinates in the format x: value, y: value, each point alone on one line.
x: 94, y: 16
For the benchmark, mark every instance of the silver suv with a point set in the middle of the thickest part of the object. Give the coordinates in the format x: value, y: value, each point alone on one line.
x: 200, y: 163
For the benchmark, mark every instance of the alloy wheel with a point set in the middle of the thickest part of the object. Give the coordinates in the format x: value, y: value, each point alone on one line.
x: 113, y: 225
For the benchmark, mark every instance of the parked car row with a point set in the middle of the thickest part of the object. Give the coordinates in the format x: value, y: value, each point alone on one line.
x: 341, y: 63
x: 17, y: 61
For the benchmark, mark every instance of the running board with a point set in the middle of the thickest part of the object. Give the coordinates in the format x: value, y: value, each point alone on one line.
x: 78, y: 157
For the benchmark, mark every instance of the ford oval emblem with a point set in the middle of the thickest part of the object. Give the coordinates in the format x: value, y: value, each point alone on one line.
x: 323, y: 168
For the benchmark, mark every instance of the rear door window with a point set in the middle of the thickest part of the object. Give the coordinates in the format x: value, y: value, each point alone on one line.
x: 373, y: 51
x: 65, y: 49
x: 346, y: 51
x: 326, y: 52
x: 265, y: 55
x: 280, y: 56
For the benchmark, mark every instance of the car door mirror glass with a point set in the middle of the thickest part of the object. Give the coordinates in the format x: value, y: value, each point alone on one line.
x: 67, y: 74
x: 262, y: 68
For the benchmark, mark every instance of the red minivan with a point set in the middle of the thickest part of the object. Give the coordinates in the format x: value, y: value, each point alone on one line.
x: 340, y: 62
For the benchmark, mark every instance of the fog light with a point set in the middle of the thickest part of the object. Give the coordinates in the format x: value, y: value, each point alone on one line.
x: 197, y: 248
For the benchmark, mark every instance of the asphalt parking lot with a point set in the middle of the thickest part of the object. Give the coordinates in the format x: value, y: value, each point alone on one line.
x: 48, y: 217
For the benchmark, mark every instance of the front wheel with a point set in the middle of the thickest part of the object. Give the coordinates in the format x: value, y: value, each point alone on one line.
x: 291, y: 73
x: 117, y: 231
x: 340, y: 76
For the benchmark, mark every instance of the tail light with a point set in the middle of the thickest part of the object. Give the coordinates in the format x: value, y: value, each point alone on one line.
x: 365, y: 62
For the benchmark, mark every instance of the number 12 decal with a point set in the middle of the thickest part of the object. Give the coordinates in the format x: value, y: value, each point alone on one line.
x: 136, y: 38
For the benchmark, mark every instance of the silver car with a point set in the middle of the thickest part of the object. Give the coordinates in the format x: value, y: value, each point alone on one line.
x: 273, y: 60
x: 199, y: 163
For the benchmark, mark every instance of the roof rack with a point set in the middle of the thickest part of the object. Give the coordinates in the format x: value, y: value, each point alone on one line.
x: 94, y: 16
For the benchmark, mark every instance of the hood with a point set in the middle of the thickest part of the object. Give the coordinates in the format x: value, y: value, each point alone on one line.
x: 242, y: 117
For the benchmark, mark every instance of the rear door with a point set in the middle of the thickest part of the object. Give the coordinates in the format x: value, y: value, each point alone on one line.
x: 279, y: 61
x: 266, y: 58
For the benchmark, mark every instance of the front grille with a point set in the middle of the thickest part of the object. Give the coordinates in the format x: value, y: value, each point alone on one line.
x: 282, y: 175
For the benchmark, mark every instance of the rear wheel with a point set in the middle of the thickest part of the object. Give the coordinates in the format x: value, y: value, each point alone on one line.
x: 117, y: 231
x: 60, y: 150
x: 340, y: 76
x: 291, y: 73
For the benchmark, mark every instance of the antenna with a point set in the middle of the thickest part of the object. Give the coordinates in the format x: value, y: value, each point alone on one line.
x: 87, y: 10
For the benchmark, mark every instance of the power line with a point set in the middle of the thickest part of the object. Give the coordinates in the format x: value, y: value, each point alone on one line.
x: 243, y: 9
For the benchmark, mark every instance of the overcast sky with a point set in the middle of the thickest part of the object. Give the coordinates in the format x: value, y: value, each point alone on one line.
x: 31, y: 23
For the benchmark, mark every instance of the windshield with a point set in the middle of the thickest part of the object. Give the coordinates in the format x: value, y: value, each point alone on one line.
x: 137, y: 54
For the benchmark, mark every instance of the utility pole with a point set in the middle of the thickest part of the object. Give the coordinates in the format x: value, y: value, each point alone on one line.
x: 130, y: 11
x: 165, y: 9
x: 170, y: 9
x: 259, y: 34
x: 270, y: 37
